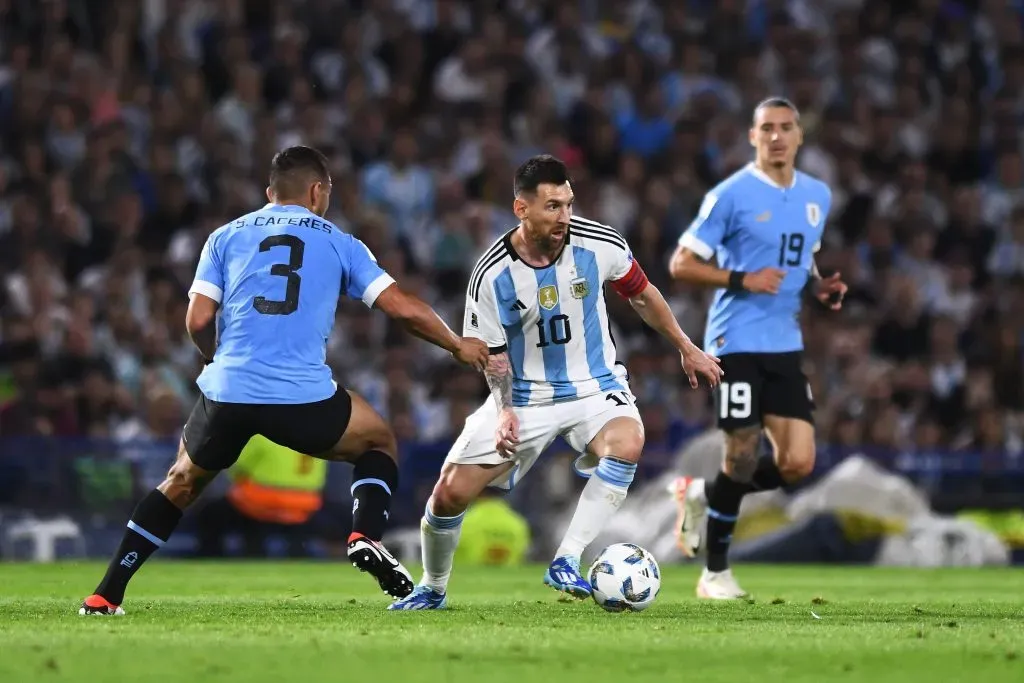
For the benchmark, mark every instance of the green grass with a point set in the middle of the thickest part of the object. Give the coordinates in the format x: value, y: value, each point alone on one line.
x: 311, y: 622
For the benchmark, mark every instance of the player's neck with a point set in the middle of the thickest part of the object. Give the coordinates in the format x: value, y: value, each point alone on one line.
x: 780, y: 175
x: 530, y: 252
x: 290, y: 202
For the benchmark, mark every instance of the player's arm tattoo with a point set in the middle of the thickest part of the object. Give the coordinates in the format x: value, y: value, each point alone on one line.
x: 499, y: 379
x: 741, y: 453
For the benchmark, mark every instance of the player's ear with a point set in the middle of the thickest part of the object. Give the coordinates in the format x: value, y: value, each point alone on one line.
x: 752, y: 137
x: 270, y: 195
x: 520, y: 208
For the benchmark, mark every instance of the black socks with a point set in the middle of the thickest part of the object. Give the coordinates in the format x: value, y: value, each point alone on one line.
x: 374, y: 479
x: 724, y: 498
x: 151, y: 524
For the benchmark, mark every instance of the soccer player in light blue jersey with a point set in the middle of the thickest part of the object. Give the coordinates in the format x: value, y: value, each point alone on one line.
x: 537, y: 298
x: 753, y: 240
x: 261, y: 309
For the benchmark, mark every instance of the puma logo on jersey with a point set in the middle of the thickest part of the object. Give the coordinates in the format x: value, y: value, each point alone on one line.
x: 764, y: 217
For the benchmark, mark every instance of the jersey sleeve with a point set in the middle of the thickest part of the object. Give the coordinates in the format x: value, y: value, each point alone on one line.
x: 364, y: 278
x: 627, y: 278
x: 209, y: 280
x: 708, y: 229
x: 482, y: 320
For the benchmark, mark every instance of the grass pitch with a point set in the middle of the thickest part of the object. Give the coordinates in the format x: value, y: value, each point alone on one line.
x: 310, y: 622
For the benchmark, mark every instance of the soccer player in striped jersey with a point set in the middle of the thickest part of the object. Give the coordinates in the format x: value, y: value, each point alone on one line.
x: 536, y: 298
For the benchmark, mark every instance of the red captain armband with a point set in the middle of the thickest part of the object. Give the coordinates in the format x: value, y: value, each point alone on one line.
x: 632, y: 283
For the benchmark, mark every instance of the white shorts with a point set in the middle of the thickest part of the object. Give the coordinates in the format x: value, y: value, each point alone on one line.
x: 577, y: 421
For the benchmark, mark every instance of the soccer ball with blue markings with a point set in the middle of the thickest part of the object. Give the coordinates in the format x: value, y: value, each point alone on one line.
x: 625, y: 578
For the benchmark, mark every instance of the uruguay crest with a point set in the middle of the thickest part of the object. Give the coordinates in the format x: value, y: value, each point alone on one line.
x: 813, y: 214
x: 547, y: 296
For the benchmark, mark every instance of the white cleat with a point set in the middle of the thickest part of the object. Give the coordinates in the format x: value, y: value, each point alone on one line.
x: 693, y: 514
x: 719, y: 586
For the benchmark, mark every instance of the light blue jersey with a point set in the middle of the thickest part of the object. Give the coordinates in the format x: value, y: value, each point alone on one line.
x: 277, y: 274
x: 553, y: 321
x: 748, y: 222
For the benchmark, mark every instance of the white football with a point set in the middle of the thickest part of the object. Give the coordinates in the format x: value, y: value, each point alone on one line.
x: 625, y: 578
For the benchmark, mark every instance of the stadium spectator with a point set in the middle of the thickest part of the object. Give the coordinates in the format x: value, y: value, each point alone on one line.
x: 131, y: 130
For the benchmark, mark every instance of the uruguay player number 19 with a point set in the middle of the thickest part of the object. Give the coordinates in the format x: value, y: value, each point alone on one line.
x: 794, y: 244
x: 296, y: 250
x: 734, y: 400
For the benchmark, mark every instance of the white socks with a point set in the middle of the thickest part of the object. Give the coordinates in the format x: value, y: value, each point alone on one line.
x: 439, y: 537
x: 601, y: 497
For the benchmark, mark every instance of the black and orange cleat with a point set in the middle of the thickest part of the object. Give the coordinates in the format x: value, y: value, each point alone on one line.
x: 374, y: 559
x: 99, y: 606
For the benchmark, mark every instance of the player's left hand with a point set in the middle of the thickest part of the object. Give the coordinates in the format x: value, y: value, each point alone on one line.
x: 830, y: 291
x: 696, y: 364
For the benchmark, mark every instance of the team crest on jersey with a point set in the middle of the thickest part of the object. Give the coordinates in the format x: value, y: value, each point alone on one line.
x: 547, y: 296
x: 813, y: 214
x: 580, y: 288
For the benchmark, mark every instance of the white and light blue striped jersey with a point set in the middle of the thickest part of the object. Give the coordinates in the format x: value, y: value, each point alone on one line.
x: 553, y: 321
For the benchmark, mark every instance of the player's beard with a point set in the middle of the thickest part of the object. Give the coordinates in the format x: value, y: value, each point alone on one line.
x: 551, y: 243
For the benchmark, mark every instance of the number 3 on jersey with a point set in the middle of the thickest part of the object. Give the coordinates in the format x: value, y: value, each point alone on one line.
x: 296, y: 251
x: 734, y: 400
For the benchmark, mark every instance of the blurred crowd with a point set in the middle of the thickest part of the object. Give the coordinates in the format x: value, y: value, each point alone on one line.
x: 133, y: 128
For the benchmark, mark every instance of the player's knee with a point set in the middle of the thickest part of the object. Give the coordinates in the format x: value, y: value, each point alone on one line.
x: 629, y: 444
x: 741, y: 453
x: 795, y: 465
x: 183, y: 483
x: 385, y: 442
x: 451, y: 496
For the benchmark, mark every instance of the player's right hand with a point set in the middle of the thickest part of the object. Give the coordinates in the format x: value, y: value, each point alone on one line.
x: 506, y: 435
x: 764, y: 281
x: 473, y: 352
x: 697, y: 364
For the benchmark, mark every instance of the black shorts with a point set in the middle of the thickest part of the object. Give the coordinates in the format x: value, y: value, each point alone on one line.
x: 217, y: 432
x: 759, y: 384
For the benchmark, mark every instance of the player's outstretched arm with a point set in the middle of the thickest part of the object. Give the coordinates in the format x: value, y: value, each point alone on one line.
x: 200, y: 321
x: 655, y: 311
x: 423, y: 321
x: 687, y: 266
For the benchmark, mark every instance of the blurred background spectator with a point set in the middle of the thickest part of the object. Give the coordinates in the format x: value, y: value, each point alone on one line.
x: 133, y: 128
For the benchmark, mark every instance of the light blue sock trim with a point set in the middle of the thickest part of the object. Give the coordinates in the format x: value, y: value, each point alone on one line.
x: 379, y: 482
x: 443, y: 522
x: 145, y: 534
x: 616, y: 472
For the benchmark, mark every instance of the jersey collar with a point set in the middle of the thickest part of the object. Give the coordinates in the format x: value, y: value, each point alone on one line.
x: 764, y: 178
x: 507, y: 239
x: 271, y: 206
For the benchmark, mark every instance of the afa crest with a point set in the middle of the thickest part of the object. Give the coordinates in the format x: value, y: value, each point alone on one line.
x: 580, y: 288
x: 547, y: 297
x: 813, y: 214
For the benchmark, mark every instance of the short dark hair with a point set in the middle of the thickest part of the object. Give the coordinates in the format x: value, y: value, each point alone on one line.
x: 294, y: 168
x: 538, y: 170
x: 775, y: 103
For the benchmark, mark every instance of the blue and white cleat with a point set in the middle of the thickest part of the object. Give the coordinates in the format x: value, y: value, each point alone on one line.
x: 422, y: 597
x: 564, y: 576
